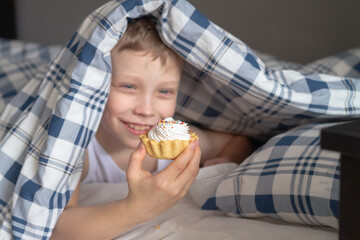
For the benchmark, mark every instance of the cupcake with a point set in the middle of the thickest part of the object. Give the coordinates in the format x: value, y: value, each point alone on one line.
x: 167, y: 139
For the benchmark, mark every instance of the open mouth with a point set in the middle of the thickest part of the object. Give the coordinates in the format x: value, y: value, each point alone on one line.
x: 137, y: 127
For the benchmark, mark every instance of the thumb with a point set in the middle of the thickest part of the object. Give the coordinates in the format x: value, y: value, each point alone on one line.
x: 136, y: 159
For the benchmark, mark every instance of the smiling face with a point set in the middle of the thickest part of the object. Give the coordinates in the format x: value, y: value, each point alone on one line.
x: 143, y: 91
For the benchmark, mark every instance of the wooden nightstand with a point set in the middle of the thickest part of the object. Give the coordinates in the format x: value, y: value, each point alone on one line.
x: 345, y: 139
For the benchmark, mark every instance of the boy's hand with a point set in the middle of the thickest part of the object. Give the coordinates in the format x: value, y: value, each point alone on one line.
x: 150, y: 195
x: 215, y: 161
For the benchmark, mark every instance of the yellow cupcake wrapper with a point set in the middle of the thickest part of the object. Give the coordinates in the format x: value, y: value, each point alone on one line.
x: 169, y: 149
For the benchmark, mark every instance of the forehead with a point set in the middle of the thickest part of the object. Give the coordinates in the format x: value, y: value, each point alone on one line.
x: 166, y: 59
x: 145, y: 65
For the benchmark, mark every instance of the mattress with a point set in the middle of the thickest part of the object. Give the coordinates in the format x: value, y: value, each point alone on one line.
x: 186, y: 220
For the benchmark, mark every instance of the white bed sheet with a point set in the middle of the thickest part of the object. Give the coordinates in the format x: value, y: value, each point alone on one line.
x: 187, y: 221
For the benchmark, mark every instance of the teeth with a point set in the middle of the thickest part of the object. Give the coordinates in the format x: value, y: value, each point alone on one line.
x: 138, y: 127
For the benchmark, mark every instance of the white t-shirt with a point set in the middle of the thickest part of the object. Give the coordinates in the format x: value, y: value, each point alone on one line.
x: 102, y: 167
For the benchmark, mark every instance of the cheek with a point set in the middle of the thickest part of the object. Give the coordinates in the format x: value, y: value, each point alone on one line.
x: 116, y: 104
x: 167, y: 109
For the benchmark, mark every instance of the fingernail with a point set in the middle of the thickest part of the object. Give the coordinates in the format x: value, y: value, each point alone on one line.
x: 139, y: 146
x: 194, y: 144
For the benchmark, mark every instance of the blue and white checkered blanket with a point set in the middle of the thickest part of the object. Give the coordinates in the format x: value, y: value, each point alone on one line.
x: 50, y: 110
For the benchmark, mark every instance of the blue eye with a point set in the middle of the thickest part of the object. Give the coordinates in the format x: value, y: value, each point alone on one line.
x: 128, y: 86
x: 164, y: 91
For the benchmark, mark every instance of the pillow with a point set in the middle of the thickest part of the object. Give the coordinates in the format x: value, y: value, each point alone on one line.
x: 288, y: 178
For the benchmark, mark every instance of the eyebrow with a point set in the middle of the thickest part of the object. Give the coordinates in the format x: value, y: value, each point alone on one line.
x: 170, y: 83
x: 138, y: 79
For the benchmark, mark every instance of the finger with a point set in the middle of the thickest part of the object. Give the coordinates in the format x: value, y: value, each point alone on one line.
x: 173, y: 170
x: 188, y: 177
x: 136, y: 160
x: 190, y: 172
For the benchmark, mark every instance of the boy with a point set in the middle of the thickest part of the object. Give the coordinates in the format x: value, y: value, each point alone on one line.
x: 143, y: 91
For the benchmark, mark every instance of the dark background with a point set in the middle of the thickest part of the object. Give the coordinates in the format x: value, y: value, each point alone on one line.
x: 295, y: 30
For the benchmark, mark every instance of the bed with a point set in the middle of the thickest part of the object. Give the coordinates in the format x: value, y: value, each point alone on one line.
x: 186, y: 220
x: 288, y: 188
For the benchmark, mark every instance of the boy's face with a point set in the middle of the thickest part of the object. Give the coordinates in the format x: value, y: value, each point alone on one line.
x: 143, y: 91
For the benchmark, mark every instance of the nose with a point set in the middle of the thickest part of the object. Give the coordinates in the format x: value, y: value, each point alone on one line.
x: 144, y: 106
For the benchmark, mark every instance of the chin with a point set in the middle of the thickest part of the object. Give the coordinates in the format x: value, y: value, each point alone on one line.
x: 133, y: 144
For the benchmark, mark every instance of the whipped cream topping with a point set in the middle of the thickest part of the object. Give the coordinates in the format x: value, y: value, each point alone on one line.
x: 169, y: 129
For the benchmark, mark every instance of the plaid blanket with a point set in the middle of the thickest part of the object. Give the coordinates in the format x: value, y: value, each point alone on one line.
x: 51, y: 110
x: 289, y: 178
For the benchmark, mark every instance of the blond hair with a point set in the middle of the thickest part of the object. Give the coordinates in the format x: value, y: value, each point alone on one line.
x: 141, y: 36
